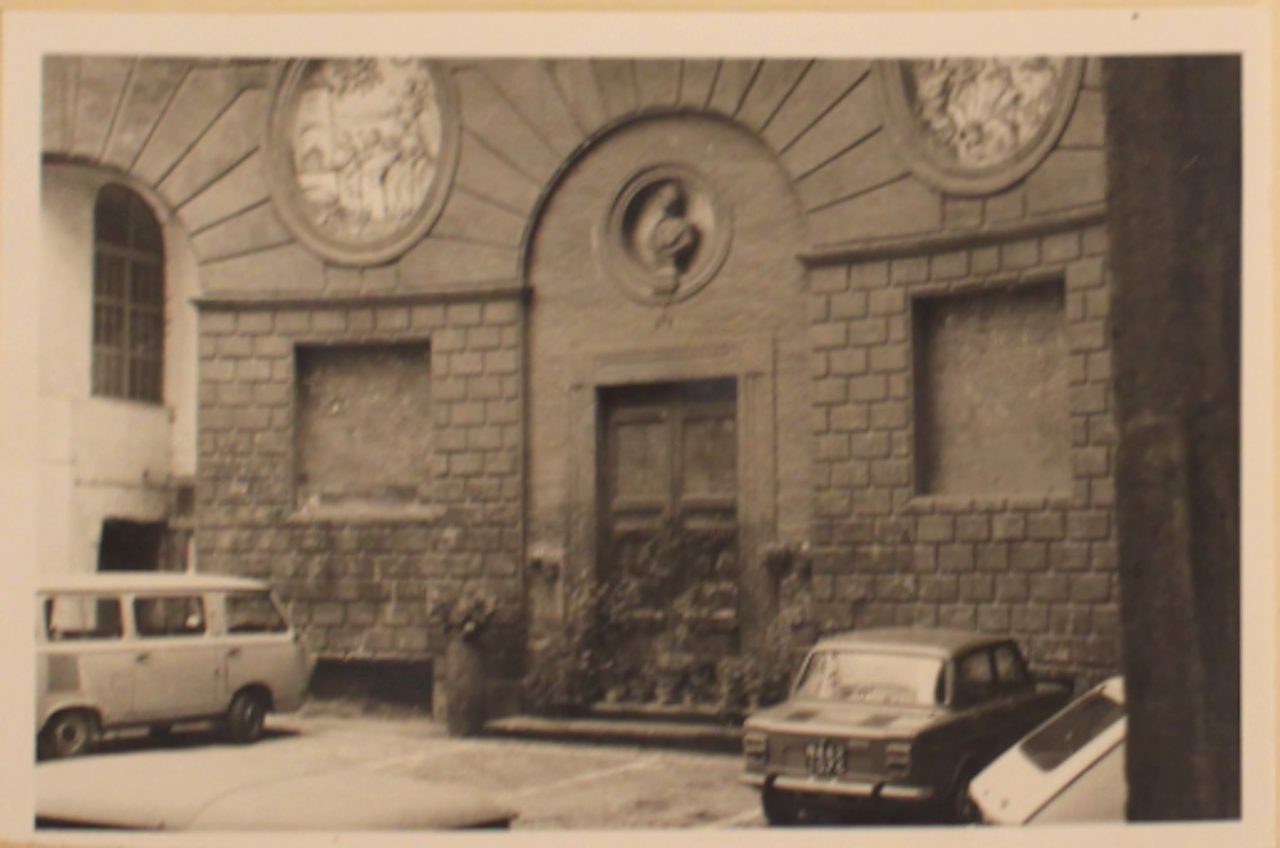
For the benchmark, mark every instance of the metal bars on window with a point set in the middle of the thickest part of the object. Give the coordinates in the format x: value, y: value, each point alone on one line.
x: 128, y: 297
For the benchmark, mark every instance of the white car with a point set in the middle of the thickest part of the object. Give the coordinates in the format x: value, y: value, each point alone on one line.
x: 1069, y: 769
x: 222, y: 790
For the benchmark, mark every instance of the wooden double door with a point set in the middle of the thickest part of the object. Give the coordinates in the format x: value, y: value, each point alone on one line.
x: 669, y: 565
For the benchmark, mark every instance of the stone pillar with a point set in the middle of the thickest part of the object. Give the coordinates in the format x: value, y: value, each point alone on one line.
x: 1174, y: 135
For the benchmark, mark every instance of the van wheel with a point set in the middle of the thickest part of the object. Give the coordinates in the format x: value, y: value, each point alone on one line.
x: 69, y: 734
x: 245, y: 717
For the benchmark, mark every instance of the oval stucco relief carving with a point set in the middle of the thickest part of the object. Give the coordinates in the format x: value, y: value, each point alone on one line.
x: 362, y: 152
x: 977, y: 125
x: 666, y: 236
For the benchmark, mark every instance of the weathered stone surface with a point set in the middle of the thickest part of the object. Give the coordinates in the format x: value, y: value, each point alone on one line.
x: 490, y: 117
x: 201, y: 97
x: 231, y: 138
x: 657, y: 83
x: 616, y: 80
x: 851, y: 120
x: 821, y: 87
x: 467, y: 217
x: 440, y: 262
x: 576, y: 82
x: 289, y: 268
x: 254, y: 230
x: 697, y: 76
x: 772, y: 84
x: 58, y: 107
x: 98, y: 90
x: 1066, y: 179
x: 731, y: 85
x: 244, y: 186
x: 484, y: 173
x: 529, y: 87
x: 901, y: 208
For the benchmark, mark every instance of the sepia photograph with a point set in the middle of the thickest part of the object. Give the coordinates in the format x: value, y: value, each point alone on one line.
x: 742, y: 436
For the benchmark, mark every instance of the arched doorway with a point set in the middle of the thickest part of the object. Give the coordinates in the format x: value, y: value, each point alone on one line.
x: 666, y: 332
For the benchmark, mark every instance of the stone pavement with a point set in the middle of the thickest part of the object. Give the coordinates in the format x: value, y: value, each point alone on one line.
x: 553, y: 785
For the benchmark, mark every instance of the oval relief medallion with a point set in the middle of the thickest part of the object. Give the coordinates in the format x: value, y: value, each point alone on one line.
x: 666, y: 236
x: 362, y: 152
x: 977, y: 125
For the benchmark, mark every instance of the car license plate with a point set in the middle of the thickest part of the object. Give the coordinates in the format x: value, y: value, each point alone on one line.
x: 825, y: 758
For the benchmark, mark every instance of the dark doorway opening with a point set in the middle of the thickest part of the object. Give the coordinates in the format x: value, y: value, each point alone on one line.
x: 131, y: 545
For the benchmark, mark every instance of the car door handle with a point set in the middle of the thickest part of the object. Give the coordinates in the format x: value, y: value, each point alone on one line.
x: 234, y: 652
x: 142, y: 658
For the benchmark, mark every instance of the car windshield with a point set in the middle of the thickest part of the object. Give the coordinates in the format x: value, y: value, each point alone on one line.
x: 871, y: 678
x: 1070, y: 730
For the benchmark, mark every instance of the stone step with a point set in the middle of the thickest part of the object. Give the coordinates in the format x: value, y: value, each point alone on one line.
x: 664, y: 733
x: 675, y: 713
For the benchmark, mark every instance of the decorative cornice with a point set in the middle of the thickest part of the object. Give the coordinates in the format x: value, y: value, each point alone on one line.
x: 479, y: 292
x: 873, y: 249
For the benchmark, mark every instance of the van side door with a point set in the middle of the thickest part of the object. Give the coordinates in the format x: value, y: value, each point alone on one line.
x: 260, y: 648
x: 177, y: 671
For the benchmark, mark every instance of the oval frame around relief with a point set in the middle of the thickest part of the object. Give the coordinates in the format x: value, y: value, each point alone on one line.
x: 419, y: 205
x: 622, y: 258
x: 956, y: 177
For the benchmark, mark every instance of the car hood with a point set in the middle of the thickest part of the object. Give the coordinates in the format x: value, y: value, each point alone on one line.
x: 156, y: 791
x: 866, y: 720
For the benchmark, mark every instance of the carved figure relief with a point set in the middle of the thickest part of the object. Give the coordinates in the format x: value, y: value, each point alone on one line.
x: 667, y: 235
x: 974, y: 125
x: 363, y: 151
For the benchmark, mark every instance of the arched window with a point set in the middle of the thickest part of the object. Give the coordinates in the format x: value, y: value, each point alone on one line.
x: 128, y: 297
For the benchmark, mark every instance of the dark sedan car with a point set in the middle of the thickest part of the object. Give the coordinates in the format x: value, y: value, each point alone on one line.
x: 892, y: 723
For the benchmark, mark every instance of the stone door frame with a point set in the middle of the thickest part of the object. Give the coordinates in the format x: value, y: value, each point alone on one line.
x: 751, y: 363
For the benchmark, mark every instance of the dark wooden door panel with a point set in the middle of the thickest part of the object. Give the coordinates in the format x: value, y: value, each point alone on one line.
x: 669, y: 542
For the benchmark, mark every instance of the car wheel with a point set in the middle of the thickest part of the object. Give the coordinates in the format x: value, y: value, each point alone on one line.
x: 781, y: 809
x: 245, y: 717
x: 69, y: 734
x: 960, y: 808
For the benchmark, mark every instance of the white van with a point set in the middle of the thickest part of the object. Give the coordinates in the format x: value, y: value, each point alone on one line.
x: 148, y: 649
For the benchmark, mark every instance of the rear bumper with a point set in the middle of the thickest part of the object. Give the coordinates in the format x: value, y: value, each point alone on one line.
x: 843, y: 788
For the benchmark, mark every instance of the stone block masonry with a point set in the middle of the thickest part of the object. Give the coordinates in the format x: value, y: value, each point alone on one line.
x: 360, y: 568
x: 1039, y: 564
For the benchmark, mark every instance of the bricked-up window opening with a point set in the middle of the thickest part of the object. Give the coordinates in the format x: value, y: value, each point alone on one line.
x: 991, y: 380
x: 128, y: 297
x: 364, y: 425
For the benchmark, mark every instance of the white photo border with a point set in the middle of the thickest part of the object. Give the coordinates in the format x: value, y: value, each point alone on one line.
x: 29, y: 35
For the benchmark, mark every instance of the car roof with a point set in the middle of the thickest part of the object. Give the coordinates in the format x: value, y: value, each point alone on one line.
x: 925, y: 641
x: 147, y: 581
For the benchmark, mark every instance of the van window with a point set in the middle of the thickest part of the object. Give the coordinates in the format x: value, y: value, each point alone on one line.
x: 169, y: 615
x: 253, y: 612
x: 82, y: 617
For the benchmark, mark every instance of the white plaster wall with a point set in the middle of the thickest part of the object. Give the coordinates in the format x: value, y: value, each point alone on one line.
x: 105, y: 458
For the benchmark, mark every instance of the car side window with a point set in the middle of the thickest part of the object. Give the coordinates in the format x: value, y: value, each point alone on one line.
x: 253, y: 612
x: 1010, y: 670
x: 169, y: 615
x: 975, y: 679
x: 82, y: 617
